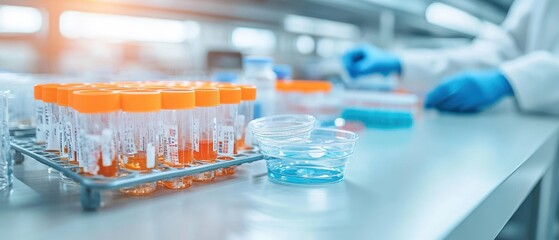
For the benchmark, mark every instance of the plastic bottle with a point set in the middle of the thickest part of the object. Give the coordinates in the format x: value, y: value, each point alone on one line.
x: 283, y: 71
x: 138, y: 133
x: 205, y: 130
x: 258, y: 71
x: 97, y: 126
x: 229, y: 100
x: 177, y: 116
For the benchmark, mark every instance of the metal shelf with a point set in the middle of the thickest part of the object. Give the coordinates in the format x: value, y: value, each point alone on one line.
x: 91, y: 186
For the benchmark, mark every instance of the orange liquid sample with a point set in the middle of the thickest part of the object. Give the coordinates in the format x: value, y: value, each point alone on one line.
x: 241, y: 143
x: 75, y: 161
x: 185, y: 157
x: 140, y: 190
x: 206, y: 153
x: 65, y: 152
x: 137, y: 162
x: 178, y: 183
x: 108, y: 171
x: 225, y: 171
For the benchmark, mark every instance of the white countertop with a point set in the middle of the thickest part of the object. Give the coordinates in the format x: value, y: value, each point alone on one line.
x: 455, y: 176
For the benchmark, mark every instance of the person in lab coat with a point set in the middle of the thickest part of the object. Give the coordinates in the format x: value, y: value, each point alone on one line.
x: 520, y: 59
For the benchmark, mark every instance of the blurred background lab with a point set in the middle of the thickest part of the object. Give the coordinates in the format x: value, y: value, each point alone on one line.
x: 369, y: 66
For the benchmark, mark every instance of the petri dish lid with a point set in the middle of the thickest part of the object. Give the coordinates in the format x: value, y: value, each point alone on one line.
x: 281, y: 123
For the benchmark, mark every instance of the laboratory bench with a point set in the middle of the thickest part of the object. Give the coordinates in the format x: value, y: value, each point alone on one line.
x: 454, y: 176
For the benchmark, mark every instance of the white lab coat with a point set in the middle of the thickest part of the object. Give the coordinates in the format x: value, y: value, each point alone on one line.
x: 525, y: 48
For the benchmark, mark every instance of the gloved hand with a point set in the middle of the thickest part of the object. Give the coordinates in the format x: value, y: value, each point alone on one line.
x: 469, y: 91
x: 366, y: 60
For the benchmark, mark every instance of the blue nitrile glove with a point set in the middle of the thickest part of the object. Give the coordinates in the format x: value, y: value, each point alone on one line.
x: 469, y: 91
x: 366, y: 60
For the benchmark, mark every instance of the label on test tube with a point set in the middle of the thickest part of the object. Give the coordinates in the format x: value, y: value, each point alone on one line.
x: 90, y: 149
x: 143, y: 139
x: 107, y: 147
x: 68, y: 131
x: 196, y: 134
x: 240, y: 125
x: 214, y: 136
x: 160, y: 138
x: 129, y: 145
x: 55, y: 133
x: 62, y: 139
x: 47, y: 124
x: 226, y: 139
x: 39, y: 131
x: 150, y: 155
x: 171, y: 149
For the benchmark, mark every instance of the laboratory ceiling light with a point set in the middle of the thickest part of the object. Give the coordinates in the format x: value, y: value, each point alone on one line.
x: 305, y: 44
x: 452, y: 18
x: 253, y: 38
x: 320, y: 27
x: 75, y: 25
x: 16, y: 19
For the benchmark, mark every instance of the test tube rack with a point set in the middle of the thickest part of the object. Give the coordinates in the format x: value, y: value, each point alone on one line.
x: 92, y: 186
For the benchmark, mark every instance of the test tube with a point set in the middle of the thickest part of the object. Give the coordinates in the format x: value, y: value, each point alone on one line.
x: 73, y: 150
x: 39, y: 105
x: 63, y: 122
x: 139, y: 134
x: 204, y: 128
x: 96, y: 126
x: 229, y: 100
x: 246, y: 114
x: 177, y: 109
x: 50, y: 117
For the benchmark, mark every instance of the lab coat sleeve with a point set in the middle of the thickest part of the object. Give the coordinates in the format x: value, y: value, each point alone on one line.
x: 535, y: 82
x: 493, y: 46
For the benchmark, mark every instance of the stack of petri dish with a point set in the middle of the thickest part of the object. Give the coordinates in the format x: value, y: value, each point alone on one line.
x: 296, y: 153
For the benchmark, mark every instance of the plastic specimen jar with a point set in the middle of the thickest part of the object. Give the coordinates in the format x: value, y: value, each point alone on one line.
x: 139, y: 134
x: 204, y: 128
x: 246, y: 114
x: 39, y: 105
x: 177, y: 109
x: 229, y: 100
x: 96, y: 120
x: 50, y: 117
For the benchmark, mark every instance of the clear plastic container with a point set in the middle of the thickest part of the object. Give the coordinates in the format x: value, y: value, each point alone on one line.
x: 97, y: 124
x: 259, y: 71
x: 205, y: 130
x: 322, y: 158
x: 39, y: 105
x: 246, y: 114
x: 229, y: 99
x: 282, y: 127
x: 51, y: 117
x: 177, y: 116
x: 139, y: 134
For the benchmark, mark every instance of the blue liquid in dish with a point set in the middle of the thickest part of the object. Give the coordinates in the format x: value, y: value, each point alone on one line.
x: 305, y: 170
